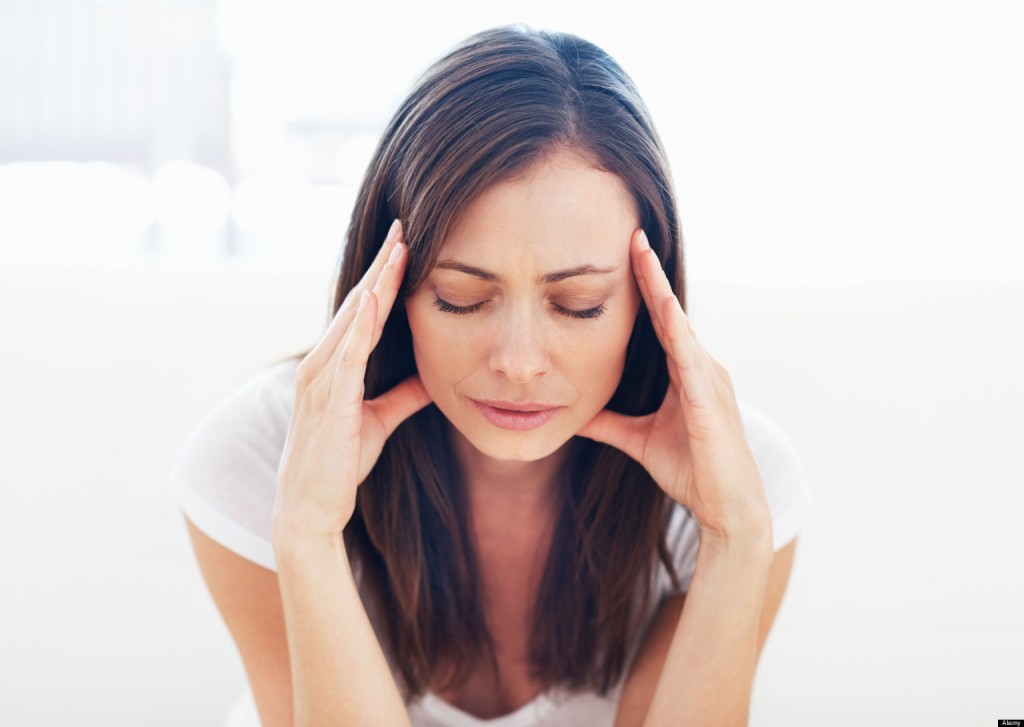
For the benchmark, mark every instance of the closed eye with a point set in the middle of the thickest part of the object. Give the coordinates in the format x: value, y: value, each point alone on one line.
x: 588, y: 313
x: 447, y: 307
x: 458, y: 310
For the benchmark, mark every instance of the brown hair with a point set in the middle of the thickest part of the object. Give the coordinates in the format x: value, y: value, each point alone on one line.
x: 490, y: 109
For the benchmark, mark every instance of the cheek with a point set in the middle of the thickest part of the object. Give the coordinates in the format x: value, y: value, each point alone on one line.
x: 438, y: 340
x: 422, y: 335
x: 440, y: 348
x: 597, y: 357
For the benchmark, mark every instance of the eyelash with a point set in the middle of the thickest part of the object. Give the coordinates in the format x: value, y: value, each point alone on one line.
x: 447, y: 307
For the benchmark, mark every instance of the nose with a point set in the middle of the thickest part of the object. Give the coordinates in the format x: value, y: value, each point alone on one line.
x: 519, y: 350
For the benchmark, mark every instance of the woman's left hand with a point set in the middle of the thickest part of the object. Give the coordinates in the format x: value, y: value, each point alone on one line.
x: 694, y: 446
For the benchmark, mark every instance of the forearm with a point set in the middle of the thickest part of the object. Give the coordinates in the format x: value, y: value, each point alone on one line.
x: 708, y: 673
x: 339, y: 673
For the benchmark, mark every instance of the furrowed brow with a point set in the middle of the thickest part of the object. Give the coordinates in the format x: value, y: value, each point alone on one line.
x: 543, y: 279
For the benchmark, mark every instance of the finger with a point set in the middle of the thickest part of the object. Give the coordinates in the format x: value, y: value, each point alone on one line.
x: 643, y: 258
x: 675, y: 332
x: 386, y: 288
x: 326, y: 349
x: 688, y: 354
x: 369, y: 279
x: 350, y: 371
x: 654, y: 284
x: 399, y: 403
x: 346, y: 312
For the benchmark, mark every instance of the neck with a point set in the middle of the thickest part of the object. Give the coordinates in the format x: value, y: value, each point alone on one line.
x: 509, y: 491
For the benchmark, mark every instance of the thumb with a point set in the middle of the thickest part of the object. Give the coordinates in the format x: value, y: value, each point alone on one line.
x: 400, y: 402
x: 624, y: 432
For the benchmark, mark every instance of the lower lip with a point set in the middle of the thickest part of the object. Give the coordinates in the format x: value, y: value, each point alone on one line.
x: 515, y: 420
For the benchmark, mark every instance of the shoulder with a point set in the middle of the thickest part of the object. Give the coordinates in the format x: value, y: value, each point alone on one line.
x: 248, y: 421
x: 788, y: 492
x: 225, y: 475
x: 771, y: 445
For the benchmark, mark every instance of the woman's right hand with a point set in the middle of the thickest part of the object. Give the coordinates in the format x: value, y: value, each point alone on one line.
x: 335, y: 437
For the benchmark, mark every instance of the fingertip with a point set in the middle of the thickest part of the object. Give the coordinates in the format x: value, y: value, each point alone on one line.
x: 396, y: 252
x: 649, y: 257
x: 636, y: 245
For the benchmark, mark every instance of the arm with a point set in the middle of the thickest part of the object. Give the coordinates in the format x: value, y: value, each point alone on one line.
x: 339, y: 673
x: 695, y: 448
x: 708, y: 674
x: 247, y: 596
x: 642, y: 680
x: 335, y: 437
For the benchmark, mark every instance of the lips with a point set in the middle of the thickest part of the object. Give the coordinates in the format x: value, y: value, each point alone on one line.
x: 517, y: 419
x: 521, y: 406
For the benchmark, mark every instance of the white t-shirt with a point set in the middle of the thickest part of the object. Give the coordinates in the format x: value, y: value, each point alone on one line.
x: 225, y: 480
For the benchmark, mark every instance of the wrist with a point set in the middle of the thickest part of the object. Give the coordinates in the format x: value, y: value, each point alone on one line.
x: 288, y: 540
x: 743, y: 537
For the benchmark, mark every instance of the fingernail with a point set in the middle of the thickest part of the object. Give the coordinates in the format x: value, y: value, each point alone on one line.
x: 644, y: 244
x: 395, y: 252
x: 362, y: 300
x: 392, y: 229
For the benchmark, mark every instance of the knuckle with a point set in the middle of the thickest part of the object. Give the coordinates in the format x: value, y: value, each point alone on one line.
x: 724, y: 374
x: 315, y: 396
x: 349, y: 358
x: 305, y: 373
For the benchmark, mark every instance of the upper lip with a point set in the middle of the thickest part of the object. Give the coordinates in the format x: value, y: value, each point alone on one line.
x: 517, y: 405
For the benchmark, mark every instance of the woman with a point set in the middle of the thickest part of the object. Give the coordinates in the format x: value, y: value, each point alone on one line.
x: 509, y: 439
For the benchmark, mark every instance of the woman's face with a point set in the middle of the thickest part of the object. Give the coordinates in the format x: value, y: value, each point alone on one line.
x: 492, y: 321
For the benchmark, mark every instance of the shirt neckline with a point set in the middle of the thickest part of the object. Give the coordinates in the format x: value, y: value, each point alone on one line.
x: 530, y: 713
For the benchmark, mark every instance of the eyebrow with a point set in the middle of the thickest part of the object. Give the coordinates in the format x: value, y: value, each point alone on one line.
x: 548, y: 278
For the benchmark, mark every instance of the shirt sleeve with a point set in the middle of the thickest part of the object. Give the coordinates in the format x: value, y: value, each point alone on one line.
x: 789, y: 496
x: 224, y: 478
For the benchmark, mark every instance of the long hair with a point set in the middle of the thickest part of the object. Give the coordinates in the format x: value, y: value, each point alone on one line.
x: 491, y: 108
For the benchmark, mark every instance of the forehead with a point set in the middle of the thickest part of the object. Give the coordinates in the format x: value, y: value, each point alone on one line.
x: 561, y: 212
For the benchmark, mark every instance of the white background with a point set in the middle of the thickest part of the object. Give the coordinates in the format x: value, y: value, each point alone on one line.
x: 851, y: 178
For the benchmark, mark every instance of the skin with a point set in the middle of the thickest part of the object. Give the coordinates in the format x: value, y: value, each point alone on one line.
x: 518, y: 343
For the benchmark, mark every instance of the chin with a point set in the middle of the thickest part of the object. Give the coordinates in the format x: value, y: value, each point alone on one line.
x: 509, y: 450
x: 512, y: 446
